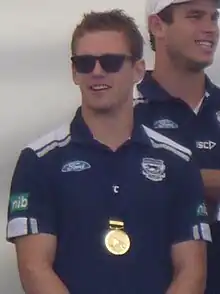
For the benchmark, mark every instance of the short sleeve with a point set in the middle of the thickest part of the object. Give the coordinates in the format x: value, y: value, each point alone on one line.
x: 189, y: 216
x: 31, y: 208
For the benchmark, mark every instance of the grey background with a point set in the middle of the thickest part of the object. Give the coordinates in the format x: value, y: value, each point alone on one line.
x: 36, y: 91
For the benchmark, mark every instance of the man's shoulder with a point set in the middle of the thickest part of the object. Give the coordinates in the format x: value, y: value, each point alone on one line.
x: 216, y: 91
x: 170, y: 147
x: 212, y: 89
x: 53, y: 140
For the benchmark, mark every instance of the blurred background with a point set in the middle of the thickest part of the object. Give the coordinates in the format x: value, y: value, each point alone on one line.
x: 36, y: 91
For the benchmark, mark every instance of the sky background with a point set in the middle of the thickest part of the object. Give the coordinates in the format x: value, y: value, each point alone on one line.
x: 36, y: 91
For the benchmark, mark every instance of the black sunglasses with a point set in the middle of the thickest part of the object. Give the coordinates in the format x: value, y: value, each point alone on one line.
x: 110, y: 63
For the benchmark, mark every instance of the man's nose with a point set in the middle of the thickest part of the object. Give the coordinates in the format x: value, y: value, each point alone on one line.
x: 98, y: 70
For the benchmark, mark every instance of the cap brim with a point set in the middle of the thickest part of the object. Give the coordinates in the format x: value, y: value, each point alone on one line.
x: 161, y: 6
x: 179, y: 1
x: 183, y: 1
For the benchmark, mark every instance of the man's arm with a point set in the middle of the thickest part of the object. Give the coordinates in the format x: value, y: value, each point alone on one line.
x: 32, y: 225
x: 211, y: 179
x: 35, y: 254
x: 190, y: 231
x: 189, y: 261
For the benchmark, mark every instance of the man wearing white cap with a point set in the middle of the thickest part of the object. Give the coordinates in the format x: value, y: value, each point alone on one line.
x: 182, y: 102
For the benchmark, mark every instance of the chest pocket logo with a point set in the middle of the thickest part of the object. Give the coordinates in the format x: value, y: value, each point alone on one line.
x: 153, y: 169
x: 75, y: 166
x: 165, y: 124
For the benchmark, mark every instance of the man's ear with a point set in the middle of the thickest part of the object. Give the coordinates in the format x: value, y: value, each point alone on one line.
x: 139, y: 70
x: 74, y: 75
x: 156, y: 26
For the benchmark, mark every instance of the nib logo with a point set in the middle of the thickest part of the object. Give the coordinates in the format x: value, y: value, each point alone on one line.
x: 19, y: 202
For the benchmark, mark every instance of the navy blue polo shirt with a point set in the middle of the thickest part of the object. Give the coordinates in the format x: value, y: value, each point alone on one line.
x: 69, y: 185
x: 199, y: 131
x: 173, y: 117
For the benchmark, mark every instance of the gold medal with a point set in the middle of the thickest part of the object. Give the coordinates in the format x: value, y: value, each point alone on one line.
x: 116, y: 240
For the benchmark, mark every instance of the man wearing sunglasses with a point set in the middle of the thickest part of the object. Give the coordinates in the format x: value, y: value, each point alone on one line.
x: 182, y: 102
x: 92, y: 204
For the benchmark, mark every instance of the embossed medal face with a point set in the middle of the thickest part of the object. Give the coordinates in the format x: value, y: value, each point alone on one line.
x: 117, y: 242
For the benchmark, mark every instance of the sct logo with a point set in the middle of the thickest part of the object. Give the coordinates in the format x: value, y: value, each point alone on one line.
x: 19, y: 202
x: 207, y: 145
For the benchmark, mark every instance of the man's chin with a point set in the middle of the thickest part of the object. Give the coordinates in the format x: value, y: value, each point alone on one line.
x: 101, y: 108
x: 199, y: 65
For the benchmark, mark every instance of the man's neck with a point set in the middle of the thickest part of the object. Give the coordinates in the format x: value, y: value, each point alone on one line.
x: 111, y: 129
x: 188, y: 86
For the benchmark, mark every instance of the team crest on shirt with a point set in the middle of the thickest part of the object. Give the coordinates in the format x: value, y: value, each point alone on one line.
x: 153, y: 169
x: 218, y: 116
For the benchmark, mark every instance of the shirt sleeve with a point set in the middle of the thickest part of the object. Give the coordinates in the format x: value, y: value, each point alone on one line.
x: 31, y: 208
x: 189, y: 217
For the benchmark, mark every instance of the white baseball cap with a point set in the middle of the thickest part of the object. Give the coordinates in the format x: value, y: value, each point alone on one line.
x: 155, y: 6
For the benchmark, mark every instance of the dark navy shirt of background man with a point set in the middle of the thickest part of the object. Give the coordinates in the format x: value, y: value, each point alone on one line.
x: 68, y: 184
x: 199, y: 130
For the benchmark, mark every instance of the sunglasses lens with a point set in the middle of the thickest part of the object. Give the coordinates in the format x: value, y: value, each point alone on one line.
x: 84, y: 63
x: 111, y: 62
